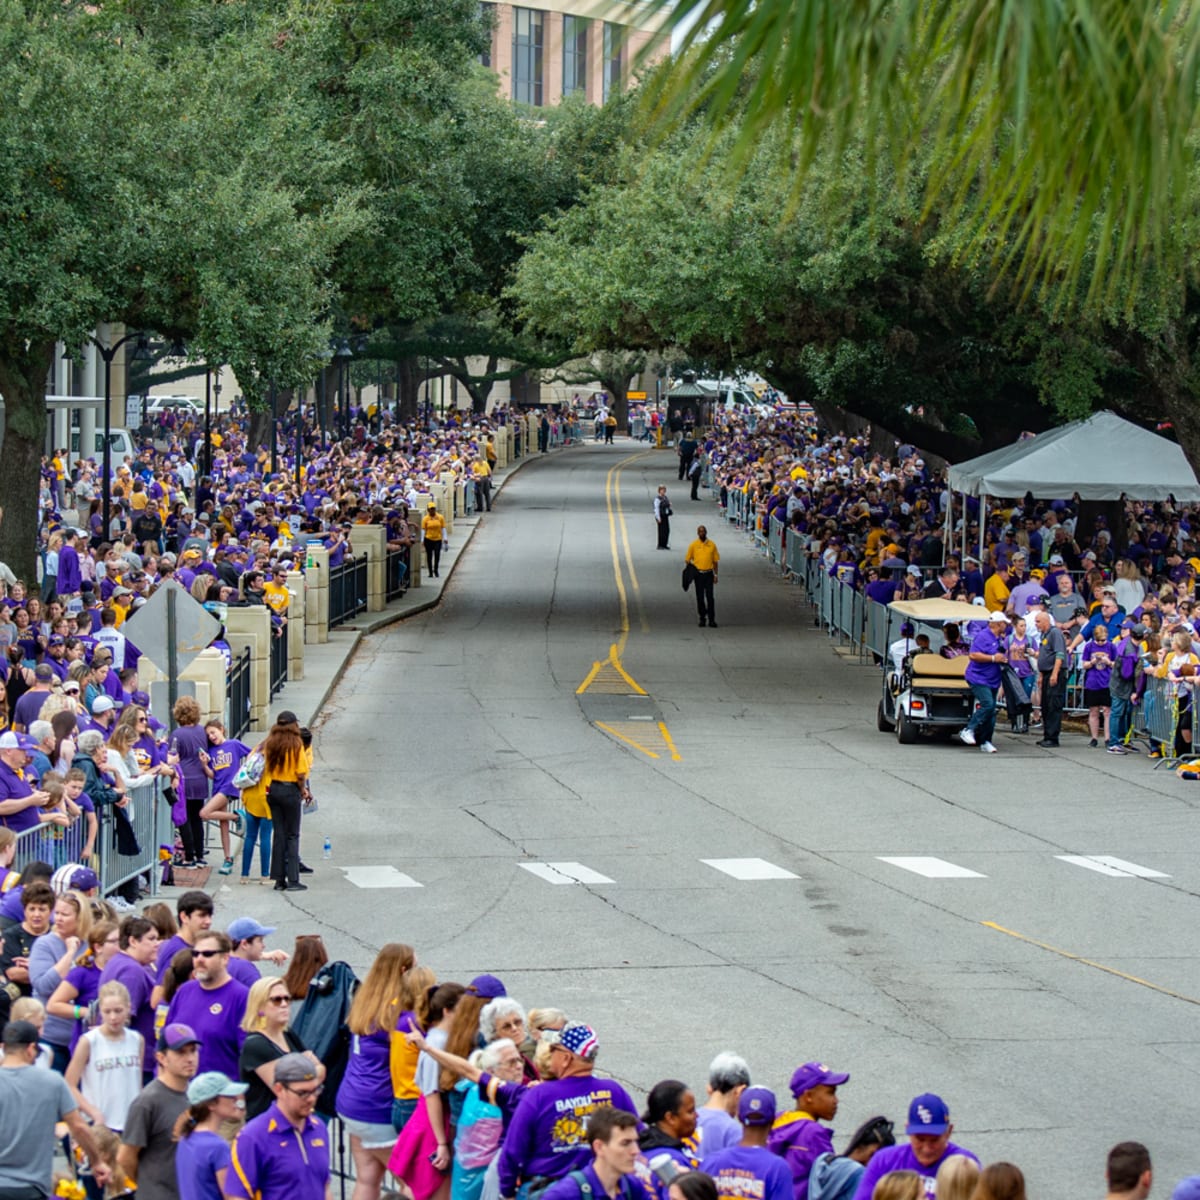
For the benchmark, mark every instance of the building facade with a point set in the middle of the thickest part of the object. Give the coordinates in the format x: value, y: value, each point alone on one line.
x: 545, y: 52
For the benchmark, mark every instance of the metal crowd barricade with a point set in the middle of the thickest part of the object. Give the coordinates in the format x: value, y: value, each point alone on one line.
x: 279, y: 662
x: 1158, y: 714
x: 150, y: 817
x: 52, y: 844
x: 237, y: 696
x: 398, y: 565
x: 775, y: 540
x: 796, y: 557
x: 347, y: 590
x: 875, y: 636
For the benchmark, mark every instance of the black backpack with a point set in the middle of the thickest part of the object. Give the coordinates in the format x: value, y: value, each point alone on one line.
x: 321, y: 1026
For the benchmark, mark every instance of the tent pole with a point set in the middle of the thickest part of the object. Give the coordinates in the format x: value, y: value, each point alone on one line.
x: 964, y: 531
x: 948, y: 540
x: 982, y: 525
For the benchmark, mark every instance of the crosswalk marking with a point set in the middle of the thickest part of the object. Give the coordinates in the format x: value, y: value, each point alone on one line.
x: 564, y: 872
x: 749, y: 868
x: 380, y: 877
x: 932, y: 868
x: 1106, y: 864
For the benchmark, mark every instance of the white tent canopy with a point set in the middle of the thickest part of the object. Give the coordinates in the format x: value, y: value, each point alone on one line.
x: 1102, y: 458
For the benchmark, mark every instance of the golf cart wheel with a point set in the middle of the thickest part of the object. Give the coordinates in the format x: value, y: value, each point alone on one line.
x: 881, y: 721
x: 906, y: 730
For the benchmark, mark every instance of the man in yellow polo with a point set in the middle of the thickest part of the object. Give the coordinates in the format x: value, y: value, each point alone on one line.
x: 703, y: 556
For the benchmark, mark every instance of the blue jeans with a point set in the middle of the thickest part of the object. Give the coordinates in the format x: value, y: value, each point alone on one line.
x: 983, y: 720
x: 1120, y: 720
x: 258, y: 829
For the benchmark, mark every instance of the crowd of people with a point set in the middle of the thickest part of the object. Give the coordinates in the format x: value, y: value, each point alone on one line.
x: 181, y: 1070
x: 1064, y: 606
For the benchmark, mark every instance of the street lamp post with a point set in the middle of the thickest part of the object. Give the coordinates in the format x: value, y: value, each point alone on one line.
x: 274, y: 433
x: 344, y: 355
x: 108, y: 353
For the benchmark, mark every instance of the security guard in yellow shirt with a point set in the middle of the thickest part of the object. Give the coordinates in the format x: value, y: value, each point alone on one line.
x: 703, y: 556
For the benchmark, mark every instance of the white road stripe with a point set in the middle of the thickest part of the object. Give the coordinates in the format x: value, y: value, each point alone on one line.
x: 1117, y: 868
x: 564, y: 872
x: 749, y: 868
x: 932, y: 868
x: 380, y: 877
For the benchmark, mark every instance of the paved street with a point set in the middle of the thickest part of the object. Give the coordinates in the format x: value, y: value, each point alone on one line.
x: 737, y: 859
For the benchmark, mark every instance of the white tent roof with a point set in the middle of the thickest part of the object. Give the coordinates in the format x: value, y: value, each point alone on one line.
x: 1102, y: 458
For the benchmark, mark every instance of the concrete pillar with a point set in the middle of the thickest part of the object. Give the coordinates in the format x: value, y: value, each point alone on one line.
x: 206, y: 671
x: 595, y: 62
x: 252, y: 627
x: 372, y: 540
x: 443, y: 495
x: 316, y: 595
x: 295, y: 625
x: 500, y: 443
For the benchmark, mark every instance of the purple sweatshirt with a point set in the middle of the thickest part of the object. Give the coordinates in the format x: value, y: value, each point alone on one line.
x: 799, y: 1141
x: 902, y: 1158
x: 70, y: 579
x: 545, y: 1136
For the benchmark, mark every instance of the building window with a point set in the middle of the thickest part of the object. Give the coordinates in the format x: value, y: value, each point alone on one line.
x: 575, y: 33
x: 527, y: 55
x: 487, y: 14
x: 614, y: 38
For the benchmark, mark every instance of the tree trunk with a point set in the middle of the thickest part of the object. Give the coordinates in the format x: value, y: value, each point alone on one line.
x: 617, y: 387
x: 22, y: 383
x: 409, y: 377
x: 259, y: 431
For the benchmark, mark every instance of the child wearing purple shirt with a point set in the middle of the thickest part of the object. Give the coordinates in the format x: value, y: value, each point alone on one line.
x: 798, y: 1137
x: 1097, y: 665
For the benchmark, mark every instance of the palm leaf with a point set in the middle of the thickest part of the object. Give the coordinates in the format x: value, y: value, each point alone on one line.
x: 1058, y: 129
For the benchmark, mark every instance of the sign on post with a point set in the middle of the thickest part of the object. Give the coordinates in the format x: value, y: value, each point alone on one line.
x: 171, y: 629
x: 635, y: 395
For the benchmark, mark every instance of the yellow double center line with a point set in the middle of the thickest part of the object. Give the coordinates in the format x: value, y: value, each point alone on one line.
x: 609, y: 675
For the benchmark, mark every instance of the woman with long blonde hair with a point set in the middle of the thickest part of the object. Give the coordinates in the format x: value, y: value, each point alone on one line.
x: 268, y: 1039
x: 364, y: 1101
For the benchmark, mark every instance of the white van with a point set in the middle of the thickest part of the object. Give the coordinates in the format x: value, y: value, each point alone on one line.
x: 120, y: 440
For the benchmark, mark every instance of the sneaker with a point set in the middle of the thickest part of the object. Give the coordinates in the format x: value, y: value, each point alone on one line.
x: 1035, y: 724
x: 226, y: 867
x: 120, y: 904
x: 239, y: 825
x: 1115, y: 749
x: 1131, y: 748
x: 966, y: 737
x: 1093, y: 744
x: 988, y: 748
x: 1156, y: 753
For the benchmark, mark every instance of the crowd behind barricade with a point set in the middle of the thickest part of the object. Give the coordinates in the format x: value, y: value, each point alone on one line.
x: 1123, y: 626
x: 79, y: 747
x: 179, y: 1068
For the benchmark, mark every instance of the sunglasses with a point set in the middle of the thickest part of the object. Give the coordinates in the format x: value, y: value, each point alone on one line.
x: 206, y: 953
x: 307, y: 1093
x: 279, y: 999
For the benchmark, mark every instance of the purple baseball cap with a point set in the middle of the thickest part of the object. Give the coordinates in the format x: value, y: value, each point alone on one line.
x: 176, y: 1036
x: 756, y: 1106
x: 814, y: 1074
x: 928, y: 1114
x: 1187, y: 1189
x: 487, y: 986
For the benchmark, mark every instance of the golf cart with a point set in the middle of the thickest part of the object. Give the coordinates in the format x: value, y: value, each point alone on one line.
x: 925, y: 692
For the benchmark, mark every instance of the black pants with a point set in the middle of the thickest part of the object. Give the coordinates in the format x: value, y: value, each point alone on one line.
x: 433, y: 555
x: 1054, y: 696
x: 704, y: 596
x: 664, y: 533
x: 283, y: 799
x: 191, y: 832
x: 695, y: 485
x: 684, y: 464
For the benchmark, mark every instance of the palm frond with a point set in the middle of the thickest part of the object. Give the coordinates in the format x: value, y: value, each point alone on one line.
x: 1058, y: 129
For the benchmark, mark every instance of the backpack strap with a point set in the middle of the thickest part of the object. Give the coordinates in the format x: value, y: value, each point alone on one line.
x: 585, y: 1188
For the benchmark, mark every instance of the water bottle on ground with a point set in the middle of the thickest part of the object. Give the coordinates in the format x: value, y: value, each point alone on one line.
x: 327, y: 851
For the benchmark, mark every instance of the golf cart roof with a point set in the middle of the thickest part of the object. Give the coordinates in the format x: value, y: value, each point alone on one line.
x: 938, y: 611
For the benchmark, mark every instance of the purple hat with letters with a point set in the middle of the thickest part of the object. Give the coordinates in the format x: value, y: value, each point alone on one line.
x: 756, y: 1106
x: 813, y: 1074
x: 928, y: 1114
x: 576, y: 1037
x: 176, y: 1036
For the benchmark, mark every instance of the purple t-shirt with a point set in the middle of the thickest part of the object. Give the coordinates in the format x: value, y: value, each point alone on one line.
x: 13, y: 787
x: 167, y: 951
x: 366, y: 1091
x: 986, y: 674
x: 215, y: 1014
x: 198, y: 1158
x: 246, y: 973
x: 226, y: 759
x: 188, y: 741
x: 751, y: 1173
x: 86, y: 982
x: 139, y: 983
x: 541, y: 1141
x: 902, y: 1158
x: 717, y: 1129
